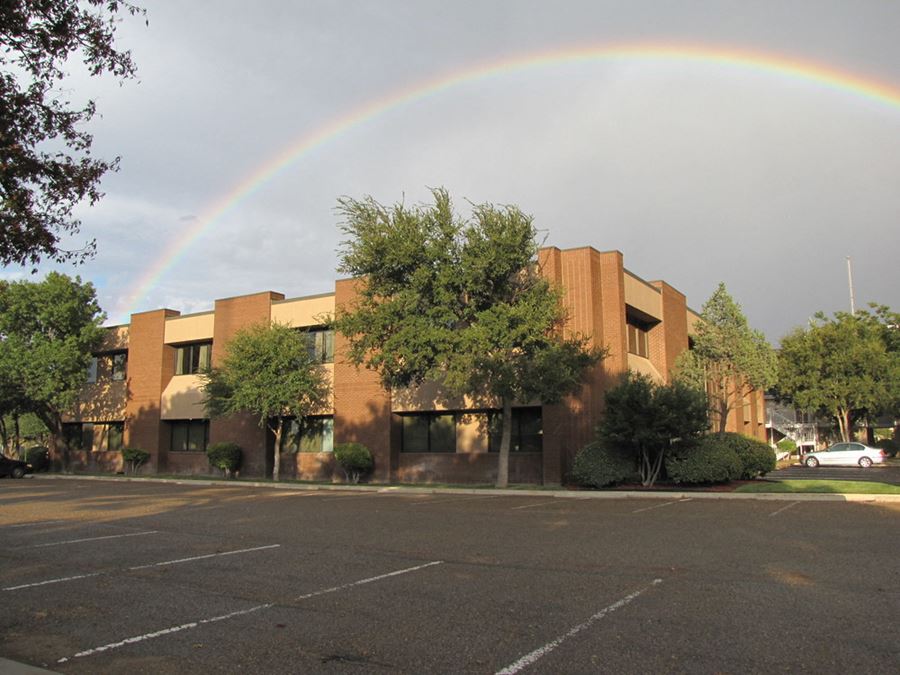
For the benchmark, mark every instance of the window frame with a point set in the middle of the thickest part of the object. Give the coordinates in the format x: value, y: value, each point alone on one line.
x: 189, y: 424
x: 431, y: 417
x: 319, y: 343
x: 295, y: 447
x: 516, y: 442
x: 185, y: 357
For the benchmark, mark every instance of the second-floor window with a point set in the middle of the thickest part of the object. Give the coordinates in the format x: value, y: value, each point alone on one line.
x: 320, y: 344
x: 192, y: 358
x: 638, y: 339
x: 119, y: 366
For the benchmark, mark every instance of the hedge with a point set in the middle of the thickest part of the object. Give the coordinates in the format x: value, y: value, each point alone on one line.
x: 598, y: 466
x: 355, y: 459
x: 707, y: 460
x: 38, y: 457
x: 225, y: 456
x: 135, y: 457
x: 756, y: 457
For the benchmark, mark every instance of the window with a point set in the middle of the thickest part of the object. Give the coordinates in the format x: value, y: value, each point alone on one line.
x: 192, y: 358
x: 115, y: 436
x: 638, y: 339
x: 310, y: 434
x: 119, y: 366
x: 92, y: 370
x: 189, y: 435
x: 527, y: 430
x: 79, y: 435
x: 429, y: 432
x: 320, y: 344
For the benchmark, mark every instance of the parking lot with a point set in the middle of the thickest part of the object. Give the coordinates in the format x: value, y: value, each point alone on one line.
x: 134, y: 577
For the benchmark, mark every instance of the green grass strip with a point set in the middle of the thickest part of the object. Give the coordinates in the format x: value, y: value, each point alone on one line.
x: 856, y: 487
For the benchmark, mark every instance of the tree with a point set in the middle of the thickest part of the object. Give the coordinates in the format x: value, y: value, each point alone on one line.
x: 644, y: 419
x: 48, y: 330
x: 267, y: 371
x: 459, y: 302
x: 730, y: 359
x: 847, y: 366
x: 46, y: 167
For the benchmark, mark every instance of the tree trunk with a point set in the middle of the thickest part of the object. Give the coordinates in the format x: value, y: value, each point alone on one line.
x: 843, y: 418
x: 17, y: 440
x: 54, y: 423
x: 276, y: 459
x: 505, y: 442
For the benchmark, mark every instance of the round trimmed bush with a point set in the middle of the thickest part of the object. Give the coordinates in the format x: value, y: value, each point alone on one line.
x: 889, y: 445
x: 707, y: 460
x: 38, y: 457
x: 756, y: 457
x: 598, y: 466
x: 225, y: 456
x: 135, y: 457
x: 355, y: 459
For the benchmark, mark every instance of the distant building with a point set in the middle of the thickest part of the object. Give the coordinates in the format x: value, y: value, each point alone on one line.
x: 144, y: 388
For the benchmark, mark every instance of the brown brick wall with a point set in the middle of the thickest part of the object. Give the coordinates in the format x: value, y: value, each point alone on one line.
x: 231, y: 315
x: 671, y: 336
x: 151, y: 364
x: 362, y: 408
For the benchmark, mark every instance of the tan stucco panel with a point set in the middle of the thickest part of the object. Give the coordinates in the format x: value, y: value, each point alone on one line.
x: 303, y: 311
x: 643, y: 366
x: 190, y: 328
x: 183, y: 398
x: 115, y: 338
x: 642, y: 296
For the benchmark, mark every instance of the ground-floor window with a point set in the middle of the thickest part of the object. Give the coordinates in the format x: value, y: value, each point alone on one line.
x: 308, y: 434
x: 94, y: 436
x: 189, y: 435
x: 79, y: 435
x: 527, y: 430
x: 428, y: 432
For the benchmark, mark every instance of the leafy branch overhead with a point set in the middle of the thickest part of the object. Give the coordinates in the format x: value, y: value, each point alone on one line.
x: 458, y: 301
x: 46, y: 167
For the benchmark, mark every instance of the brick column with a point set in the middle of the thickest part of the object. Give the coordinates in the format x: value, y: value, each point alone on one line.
x: 362, y: 408
x: 151, y: 364
x: 231, y: 315
x: 669, y: 338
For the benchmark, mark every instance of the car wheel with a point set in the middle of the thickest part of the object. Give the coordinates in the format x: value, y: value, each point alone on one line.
x: 18, y: 472
x: 865, y: 462
x: 812, y: 462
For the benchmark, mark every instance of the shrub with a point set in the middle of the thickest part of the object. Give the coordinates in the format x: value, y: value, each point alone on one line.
x: 756, y: 457
x: 787, y: 445
x: 889, y: 445
x: 597, y: 466
x: 705, y: 461
x: 135, y: 457
x: 355, y: 459
x: 38, y: 457
x: 225, y: 456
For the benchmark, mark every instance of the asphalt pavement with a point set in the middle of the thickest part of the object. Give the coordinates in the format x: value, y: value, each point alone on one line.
x: 119, y: 577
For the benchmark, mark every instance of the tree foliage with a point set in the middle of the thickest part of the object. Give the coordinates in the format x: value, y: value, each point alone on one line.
x: 460, y: 302
x: 847, y: 366
x: 644, y: 419
x: 728, y: 358
x: 267, y: 371
x: 48, y: 330
x: 46, y: 167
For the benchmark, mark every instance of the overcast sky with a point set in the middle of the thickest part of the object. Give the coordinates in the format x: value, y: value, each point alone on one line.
x: 697, y: 170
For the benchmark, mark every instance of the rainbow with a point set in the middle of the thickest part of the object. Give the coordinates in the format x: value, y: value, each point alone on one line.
x: 783, y: 66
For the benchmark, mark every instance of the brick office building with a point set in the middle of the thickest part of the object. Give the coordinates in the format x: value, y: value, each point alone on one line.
x: 144, y: 388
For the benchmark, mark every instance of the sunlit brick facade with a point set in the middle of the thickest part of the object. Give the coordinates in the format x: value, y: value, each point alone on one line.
x: 415, y: 436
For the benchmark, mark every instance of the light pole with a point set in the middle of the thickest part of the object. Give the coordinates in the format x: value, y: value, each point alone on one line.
x: 850, y: 283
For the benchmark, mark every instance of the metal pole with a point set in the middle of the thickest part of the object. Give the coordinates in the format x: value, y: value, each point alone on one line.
x: 850, y: 283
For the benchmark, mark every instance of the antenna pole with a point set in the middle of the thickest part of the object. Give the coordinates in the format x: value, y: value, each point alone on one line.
x: 850, y: 283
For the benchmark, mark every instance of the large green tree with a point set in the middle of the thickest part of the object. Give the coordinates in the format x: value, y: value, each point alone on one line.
x: 644, y: 418
x: 459, y: 302
x: 268, y: 371
x: 729, y: 358
x: 847, y: 366
x: 46, y: 167
x: 48, y: 330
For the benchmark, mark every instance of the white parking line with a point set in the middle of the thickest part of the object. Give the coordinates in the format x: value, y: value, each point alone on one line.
x: 531, y: 506
x: 540, y: 652
x: 427, y: 502
x: 241, y: 612
x: 141, y: 567
x: 356, y: 495
x: 52, y: 581
x: 659, y: 506
x: 35, y: 524
x: 204, y: 557
x: 783, y: 508
x: 109, y: 536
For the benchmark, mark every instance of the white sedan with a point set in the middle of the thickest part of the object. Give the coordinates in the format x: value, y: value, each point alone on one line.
x: 846, y: 454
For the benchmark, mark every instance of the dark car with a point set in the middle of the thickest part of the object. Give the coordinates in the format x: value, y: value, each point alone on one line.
x: 13, y: 467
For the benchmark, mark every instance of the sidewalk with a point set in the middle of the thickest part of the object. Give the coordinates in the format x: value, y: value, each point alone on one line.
x: 509, y: 492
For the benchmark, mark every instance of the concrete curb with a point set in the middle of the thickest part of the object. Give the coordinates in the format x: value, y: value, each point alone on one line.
x: 556, y: 494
